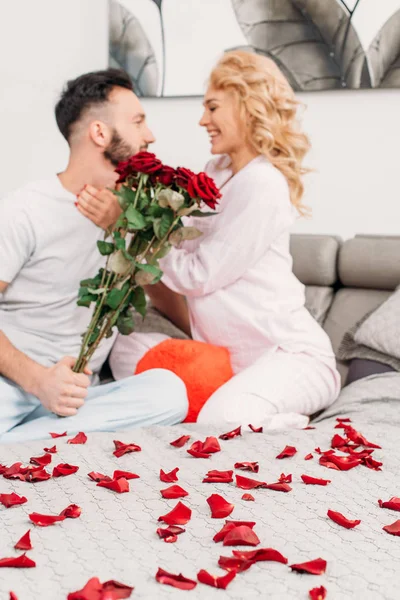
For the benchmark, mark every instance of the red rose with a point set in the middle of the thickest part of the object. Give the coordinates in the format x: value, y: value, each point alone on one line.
x: 182, y: 177
x: 203, y: 187
x: 124, y: 170
x: 145, y: 162
x: 166, y: 176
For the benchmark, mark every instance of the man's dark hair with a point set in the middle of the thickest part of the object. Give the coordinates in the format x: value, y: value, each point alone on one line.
x: 86, y: 91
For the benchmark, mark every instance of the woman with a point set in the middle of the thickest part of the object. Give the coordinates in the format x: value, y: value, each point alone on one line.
x: 237, y: 278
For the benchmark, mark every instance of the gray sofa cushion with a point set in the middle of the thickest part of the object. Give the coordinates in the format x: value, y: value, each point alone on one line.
x: 349, y: 306
x: 370, y: 262
x: 315, y: 258
x: 318, y: 301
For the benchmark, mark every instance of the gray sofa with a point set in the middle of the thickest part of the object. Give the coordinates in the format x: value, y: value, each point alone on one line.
x: 345, y: 280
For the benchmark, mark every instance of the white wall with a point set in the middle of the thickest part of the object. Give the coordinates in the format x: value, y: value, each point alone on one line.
x: 356, y: 153
x: 355, y: 134
x: 42, y: 44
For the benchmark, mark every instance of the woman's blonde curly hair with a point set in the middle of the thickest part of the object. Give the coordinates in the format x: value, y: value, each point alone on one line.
x: 268, y: 107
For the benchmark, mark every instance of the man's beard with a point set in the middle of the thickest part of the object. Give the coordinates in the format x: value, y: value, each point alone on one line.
x: 118, y: 150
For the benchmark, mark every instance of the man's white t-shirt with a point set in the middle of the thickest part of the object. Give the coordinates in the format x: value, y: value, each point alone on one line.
x: 46, y: 248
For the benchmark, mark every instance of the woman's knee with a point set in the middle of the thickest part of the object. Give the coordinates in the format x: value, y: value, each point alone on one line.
x: 173, y: 391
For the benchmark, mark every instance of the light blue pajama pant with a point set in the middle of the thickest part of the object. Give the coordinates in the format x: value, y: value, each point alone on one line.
x: 156, y: 397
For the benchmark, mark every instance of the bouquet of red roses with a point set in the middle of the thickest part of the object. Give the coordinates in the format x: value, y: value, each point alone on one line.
x: 154, y: 198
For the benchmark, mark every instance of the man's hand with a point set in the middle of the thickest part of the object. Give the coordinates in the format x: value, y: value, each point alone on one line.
x: 100, y: 206
x: 62, y: 391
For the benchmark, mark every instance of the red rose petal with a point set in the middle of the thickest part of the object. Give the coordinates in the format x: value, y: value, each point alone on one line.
x: 215, y: 476
x: 20, y: 562
x: 126, y: 474
x: 338, y: 441
x: 393, y: 503
x: 57, y: 435
x: 214, y: 581
x: 80, y: 438
x: 169, y: 534
x: 37, y: 475
x: 41, y: 461
x: 308, y: 480
x: 64, y: 469
x: 121, y: 448
x: 52, y: 450
x: 340, y: 519
x: 260, y: 555
x: 246, y: 483
x: 170, y: 477
x: 220, y: 508
x: 229, y: 525
x: 247, y: 466
x: 308, y: 457
x: 197, y: 454
x: 16, y: 471
x: 255, y: 429
x: 248, y: 497
x: 177, y: 581
x: 180, y: 441
x: 285, y: 478
x: 24, y: 543
x: 99, y: 476
x: 73, y: 511
x: 211, y: 445
x: 179, y: 515
x: 232, y: 563
x: 369, y: 462
x: 357, y: 438
x: 120, y: 485
x: 173, y: 492
x: 393, y: 529
x: 231, y: 434
x: 314, y: 567
x: 45, y: 520
x: 343, y: 420
x: 13, y: 596
x: 340, y: 463
x: 12, y: 499
x: 277, y: 487
x: 318, y: 593
x: 109, y: 590
x: 241, y: 536
x: 287, y: 452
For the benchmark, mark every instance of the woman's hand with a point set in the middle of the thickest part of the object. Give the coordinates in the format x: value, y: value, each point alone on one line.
x: 100, y: 206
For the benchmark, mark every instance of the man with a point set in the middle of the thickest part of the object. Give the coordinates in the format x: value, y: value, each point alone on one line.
x: 47, y: 246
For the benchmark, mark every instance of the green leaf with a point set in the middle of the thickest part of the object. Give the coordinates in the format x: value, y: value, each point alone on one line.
x: 152, y: 270
x: 199, y: 213
x: 155, y: 211
x: 93, y: 336
x: 138, y: 300
x: 162, y: 226
x: 143, y: 201
x: 136, y: 220
x: 115, y: 296
x: 86, y: 300
x: 119, y: 241
x: 126, y: 323
x: 163, y: 251
x: 105, y: 248
x: 126, y: 196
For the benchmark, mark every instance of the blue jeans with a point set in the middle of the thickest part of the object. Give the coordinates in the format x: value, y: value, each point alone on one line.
x: 156, y: 397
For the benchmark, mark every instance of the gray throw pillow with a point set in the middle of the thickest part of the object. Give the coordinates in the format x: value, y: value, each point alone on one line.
x: 376, y: 336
